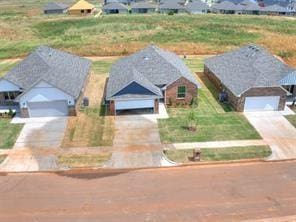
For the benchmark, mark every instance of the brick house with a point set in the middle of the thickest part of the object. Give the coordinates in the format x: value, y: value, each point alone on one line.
x: 141, y: 81
x: 252, y: 79
x: 48, y: 82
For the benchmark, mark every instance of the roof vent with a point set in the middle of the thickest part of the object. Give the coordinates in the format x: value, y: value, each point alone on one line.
x: 146, y: 58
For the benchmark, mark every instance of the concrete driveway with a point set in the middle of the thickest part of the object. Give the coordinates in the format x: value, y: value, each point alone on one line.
x: 43, y: 132
x: 276, y: 130
x: 32, y: 150
x: 137, y: 142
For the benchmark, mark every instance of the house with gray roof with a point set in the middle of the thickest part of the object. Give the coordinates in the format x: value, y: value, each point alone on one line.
x: 226, y: 7
x: 276, y: 10
x: 252, y: 79
x: 143, y: 7
x: 55, y: 8
x: 172, y: 6
x: 48, y: 82
x: 197, y: 7
x: 115, y: 8
x: 144, y: 79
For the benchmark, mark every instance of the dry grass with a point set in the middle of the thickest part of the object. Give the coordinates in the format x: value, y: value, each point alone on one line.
x: 82, y: 160
x: 91, y: 128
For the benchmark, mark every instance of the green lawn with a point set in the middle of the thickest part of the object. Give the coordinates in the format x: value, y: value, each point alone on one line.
x: 83, y: 160
x: 102, y: 67
x: 214, y: 121
x: 292, y: 119
x: 5, y: 66
x: 220, y: 154
x: 21, y: 31
x: 9, y: 133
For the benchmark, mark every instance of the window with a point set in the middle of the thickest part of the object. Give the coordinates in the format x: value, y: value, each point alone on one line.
x: 181, y: 92
x: 82, y: 11
x: 10, y: 95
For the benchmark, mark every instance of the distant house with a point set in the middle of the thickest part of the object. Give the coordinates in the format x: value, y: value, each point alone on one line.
x: 252, y: 79
x: 82, y: 7
x: 197, y: 7
x: 173, y: 6
x: 55, y: 8
x: 276, y: 10
x: 251, y: 9
x: 226, y: 7
x: 48, y: 82
x: 141, y: 81
x: 115, y: 8
x: 143, y: 7
x: 125, y: 2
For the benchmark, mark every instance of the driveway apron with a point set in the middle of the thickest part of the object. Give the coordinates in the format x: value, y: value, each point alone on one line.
x: 136, y: 143
x: 276, y: 130
x: 38, y: 136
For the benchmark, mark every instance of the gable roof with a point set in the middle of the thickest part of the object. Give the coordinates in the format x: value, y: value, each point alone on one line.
x: 115, y: 5
x: 150, y: 67
x: 275, y: 8
x: 171, y: 5
x: 60, y: 69
x: 248, y: 67
x: 226, y: 5
x: 197, y: 5
x: 81, y: 4
x: 55, y: 6
x: 143, y: 5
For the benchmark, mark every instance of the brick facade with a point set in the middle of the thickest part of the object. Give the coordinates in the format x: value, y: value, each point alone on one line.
x: 239, y: 102
x: 172, y: 90
x: 112, y: 107
x: 156, y: 106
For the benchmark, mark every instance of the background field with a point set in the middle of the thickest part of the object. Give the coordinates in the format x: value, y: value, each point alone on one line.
x: 23, y: 27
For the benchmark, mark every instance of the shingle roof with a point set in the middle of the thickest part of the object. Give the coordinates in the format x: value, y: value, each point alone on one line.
x: 60, y: 69
x: 81, y: 4
x: 171, y: 5
x: 55, y: 6
x: 248, y: 67
x: 289, y: 79
x: 143, y: 5
x: 197, y: 5
x: 275, y: 8
x: 251, y: 7
x: 115, y: 5
x: 226, y: 5
x: 150, y: 67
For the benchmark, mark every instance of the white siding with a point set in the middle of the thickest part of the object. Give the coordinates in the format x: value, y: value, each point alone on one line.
x: 43, y: 92
x: 6, y: 86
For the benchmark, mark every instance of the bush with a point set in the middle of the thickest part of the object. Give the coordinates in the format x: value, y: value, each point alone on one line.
x: 171, y: 13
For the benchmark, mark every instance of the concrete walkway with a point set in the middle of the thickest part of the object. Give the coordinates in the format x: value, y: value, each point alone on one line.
x: 216, y: 144
x: 276, y: 131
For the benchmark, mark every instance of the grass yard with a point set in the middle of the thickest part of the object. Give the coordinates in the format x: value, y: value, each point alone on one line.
x: 23, y: 27
x: 9, y: 133
x: 215, y: 122
x: 220, y: 154
x: 91, y: 128
x: 83, y: 160
x: 292, y: 119
x: 5, y: 66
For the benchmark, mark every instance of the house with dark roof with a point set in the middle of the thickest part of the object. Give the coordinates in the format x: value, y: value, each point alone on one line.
x: 144, y: 79
x: 48, y: 82
x: 115, y: 8
x: 252, y: 79
x: 55, y: 8
x: 143, y: 7
x: 276, y: 10
x: 197, y: 7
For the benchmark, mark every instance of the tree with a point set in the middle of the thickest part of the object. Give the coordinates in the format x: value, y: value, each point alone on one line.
x: 191, y: 121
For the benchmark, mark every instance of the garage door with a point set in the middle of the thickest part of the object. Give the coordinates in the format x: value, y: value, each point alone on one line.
x: 134, y: 104
x: 46, y: 109
x: 261, y: 103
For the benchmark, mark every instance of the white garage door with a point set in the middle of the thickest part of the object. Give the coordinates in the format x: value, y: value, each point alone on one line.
x: 46, y: 109
x: 134, y: 104
x: 261, y: 103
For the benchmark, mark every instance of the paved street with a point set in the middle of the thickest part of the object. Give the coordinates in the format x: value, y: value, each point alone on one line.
x: 204, y: 193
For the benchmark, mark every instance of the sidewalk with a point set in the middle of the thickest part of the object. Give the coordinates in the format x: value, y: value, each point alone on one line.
x: 215, y: 144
